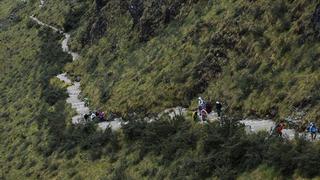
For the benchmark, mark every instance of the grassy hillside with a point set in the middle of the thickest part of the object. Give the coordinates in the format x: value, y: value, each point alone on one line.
x: 32, y: 103
x: 258, y: 57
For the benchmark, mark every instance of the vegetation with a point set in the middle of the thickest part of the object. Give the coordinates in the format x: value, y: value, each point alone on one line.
x: 31, y: 108
x: 260, y: 58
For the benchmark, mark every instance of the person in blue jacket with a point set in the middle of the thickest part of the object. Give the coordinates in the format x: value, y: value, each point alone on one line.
x: 312, y: 129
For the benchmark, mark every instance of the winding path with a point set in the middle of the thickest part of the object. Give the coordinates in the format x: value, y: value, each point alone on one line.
x: 253, y: 125
x: 73, y: 89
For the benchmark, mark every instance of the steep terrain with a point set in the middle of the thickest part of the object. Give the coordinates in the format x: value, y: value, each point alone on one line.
x: 32, y: 108
x: 260, y: 58
x: 138, y: 58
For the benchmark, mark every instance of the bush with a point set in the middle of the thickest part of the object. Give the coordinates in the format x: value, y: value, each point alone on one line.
x: 71, y: 173
x: 307, y: 160
x: 53, y: 167
x: 95, y: 154
x: 219, y: 151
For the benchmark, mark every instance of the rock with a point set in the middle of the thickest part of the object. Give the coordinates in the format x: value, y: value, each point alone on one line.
x: 97, y: 29
x: 146, y: 30
x: 99, y: 4
x: 149, y: 16
x: 114, y: 125
x: 136, y: 10
x: 289, y: 133
x: 213, y: 116
x: 315, y: 20
x: 97, y: 26
x: 42, y: 2
x: 316, y: 16
x: 258, y: 125
x: 172, y: 11
x: 172, y: 112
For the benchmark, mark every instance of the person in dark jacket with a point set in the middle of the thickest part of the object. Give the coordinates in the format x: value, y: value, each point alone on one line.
x: 218, y: 108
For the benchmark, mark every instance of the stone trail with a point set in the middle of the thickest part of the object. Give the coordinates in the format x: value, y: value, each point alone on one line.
x: 74, y: 91
x: 73, y: 88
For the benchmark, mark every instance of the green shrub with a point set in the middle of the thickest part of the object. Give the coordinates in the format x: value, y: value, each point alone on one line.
x: 71, y: 173
x: 53, y: 167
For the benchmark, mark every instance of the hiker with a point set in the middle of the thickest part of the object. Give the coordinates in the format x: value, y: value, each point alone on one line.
x: 78, y: 79
x: 203, y: 114
x: 86, y: 116
x: 93, y: 115
x: 209, y: 107
x: 312, y: 129
x: 218, y: 108
x: 201, y: 103
x: 101, y: 116
x: 279, y: 127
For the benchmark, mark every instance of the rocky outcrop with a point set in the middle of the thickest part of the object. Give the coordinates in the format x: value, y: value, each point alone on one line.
x: 315, y: 21
x: 316, y: 17
x: 97, y: 25
x: 172, y: 10
x: 148, y: 17
x: 99, y: 4
x: 13, y: 17
x: 97, y: 29
x: 136, y: 10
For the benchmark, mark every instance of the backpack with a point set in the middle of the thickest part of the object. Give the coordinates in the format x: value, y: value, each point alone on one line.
x: 203, y: 114
x: 202, y: 106
x: 209, y: 107
x: 195, y: 115
x: 313, y: 129
x: 93, y: 115
x: 279, y: 128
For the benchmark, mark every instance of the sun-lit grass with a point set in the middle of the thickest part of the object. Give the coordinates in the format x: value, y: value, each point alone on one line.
x: 254, y: 56
x: 261, y: 173
x: 162, y: 72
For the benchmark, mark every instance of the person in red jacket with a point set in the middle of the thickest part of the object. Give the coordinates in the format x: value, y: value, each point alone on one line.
x: 279, y: 128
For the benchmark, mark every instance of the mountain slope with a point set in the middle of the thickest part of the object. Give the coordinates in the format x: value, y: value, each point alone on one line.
x: 260, y: 58
x: 32, y: 110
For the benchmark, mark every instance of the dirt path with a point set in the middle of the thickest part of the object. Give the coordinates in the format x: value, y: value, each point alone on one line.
x: 74, y: 89
x: 253, y: 125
